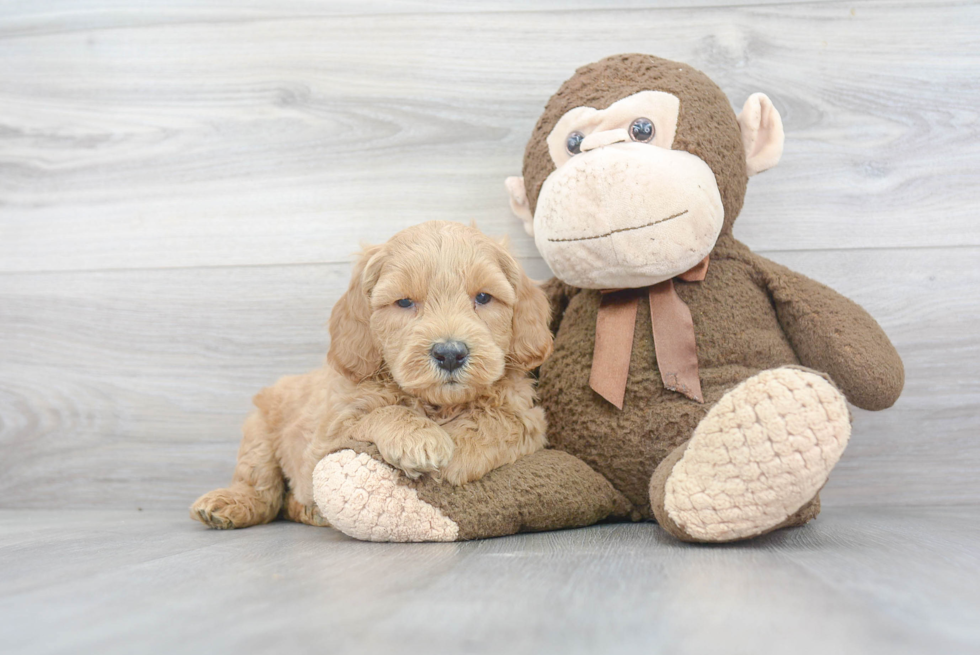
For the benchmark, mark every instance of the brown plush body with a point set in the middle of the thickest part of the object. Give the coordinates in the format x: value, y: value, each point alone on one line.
x: 748, y: 314
x: 633, y: 179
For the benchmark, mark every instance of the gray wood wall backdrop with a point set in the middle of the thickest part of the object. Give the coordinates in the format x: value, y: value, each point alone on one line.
x: 182, y: 185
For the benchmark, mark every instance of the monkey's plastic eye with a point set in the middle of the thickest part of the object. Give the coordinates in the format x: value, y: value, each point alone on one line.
x: 573, y: 143
x: 642, y: 130
x: 483, y: 298
x: 405, y: 303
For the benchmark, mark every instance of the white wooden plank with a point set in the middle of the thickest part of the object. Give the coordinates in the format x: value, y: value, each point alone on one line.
x: 57, y: 16
x: 283, y: 139
x: 111, y: 379
x: 127, y: 388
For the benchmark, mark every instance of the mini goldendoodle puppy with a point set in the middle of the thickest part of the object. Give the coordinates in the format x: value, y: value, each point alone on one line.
x: 430, y: 349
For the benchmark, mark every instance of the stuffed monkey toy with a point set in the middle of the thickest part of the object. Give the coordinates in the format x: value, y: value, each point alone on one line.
x: 692, y: 382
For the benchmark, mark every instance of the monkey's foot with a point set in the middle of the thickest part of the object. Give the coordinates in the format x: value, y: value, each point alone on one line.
x: 361, y: 497
x: 758, y: 456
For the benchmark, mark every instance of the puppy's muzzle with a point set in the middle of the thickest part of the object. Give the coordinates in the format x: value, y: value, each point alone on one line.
x: 449, y: 355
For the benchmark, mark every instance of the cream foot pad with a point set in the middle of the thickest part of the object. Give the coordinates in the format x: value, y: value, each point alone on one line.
x: 763, y: 451
x: 361, y: 497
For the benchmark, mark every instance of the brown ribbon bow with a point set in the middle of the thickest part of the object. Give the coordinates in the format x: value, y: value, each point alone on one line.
x: 673, y: 339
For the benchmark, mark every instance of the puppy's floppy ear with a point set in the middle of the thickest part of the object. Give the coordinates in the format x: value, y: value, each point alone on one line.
x: 532, y: 340
x: 352, y: 349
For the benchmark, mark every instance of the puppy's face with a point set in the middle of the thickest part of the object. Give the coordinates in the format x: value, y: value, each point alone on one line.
x: 445, y: 309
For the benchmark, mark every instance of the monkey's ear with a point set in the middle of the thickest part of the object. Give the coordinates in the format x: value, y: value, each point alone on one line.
x: 762, y: 133
x: 519, y: 204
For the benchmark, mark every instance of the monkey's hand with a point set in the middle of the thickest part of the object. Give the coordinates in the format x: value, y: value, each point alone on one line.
x: 833, y: 334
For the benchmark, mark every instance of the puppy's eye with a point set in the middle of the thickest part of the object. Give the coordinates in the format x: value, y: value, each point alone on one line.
x: 405, y: 303
x: 483, y: 298
x: 642, y: 130
x: 573, y: 143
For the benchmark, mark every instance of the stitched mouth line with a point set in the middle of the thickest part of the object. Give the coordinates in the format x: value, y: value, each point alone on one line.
x: 622, y: 229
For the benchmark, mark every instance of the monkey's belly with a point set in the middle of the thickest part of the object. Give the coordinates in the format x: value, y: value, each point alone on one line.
x: 626, y: 446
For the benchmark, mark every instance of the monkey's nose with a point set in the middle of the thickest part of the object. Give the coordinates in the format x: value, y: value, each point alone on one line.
x: 604, y: 138
x: 449, y: 355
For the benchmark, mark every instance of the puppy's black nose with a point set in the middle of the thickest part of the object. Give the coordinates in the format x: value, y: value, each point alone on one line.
x: 449, y: 355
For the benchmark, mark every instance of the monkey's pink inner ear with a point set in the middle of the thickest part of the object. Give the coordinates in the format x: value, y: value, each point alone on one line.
x: 762, y: 133
x: 519, y: 203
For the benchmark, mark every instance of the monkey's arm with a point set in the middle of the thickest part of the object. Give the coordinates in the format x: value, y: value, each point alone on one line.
x: 546, y: 490
x: 558, y: 294
x: 833, y: 334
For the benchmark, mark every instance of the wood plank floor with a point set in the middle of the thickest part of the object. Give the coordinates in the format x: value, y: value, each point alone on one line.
x: 867, y: 581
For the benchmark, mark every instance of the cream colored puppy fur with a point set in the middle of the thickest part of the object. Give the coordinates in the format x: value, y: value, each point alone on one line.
x: 382, y: 384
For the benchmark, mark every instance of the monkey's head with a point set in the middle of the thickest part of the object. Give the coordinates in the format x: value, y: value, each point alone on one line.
x: 635, y: 168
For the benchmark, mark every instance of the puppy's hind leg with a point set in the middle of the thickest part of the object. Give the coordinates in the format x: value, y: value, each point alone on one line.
x: 256, y: 492
x: 293, y: 510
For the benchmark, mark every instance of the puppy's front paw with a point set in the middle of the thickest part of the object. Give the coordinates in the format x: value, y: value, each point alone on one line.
x: 423, y: 450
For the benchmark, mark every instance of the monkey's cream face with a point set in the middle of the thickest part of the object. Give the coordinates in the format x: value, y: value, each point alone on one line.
x: 622, y: 209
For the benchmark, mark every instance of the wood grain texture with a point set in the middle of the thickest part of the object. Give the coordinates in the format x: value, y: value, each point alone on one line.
x: 858, y: 581
x: 128, y: 388
x: 182, y: 185
x: 286, y: 137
